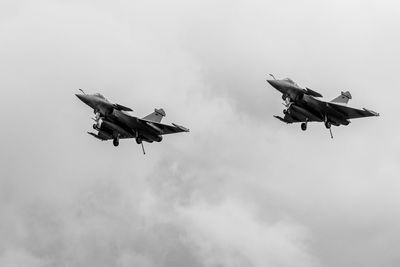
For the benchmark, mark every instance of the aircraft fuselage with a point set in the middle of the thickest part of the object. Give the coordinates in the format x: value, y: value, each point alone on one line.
x: 113, y: 122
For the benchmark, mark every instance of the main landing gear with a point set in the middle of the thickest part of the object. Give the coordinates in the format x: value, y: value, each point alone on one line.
x: 140, y: 142
x: 328, y: 125
x: 304, y: 125
x: 116, y: 141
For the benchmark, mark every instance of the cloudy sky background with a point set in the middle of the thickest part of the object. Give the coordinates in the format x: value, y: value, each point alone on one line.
x: 241, y: 189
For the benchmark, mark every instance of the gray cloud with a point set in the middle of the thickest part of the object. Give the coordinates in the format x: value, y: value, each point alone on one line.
x: 240, y: 189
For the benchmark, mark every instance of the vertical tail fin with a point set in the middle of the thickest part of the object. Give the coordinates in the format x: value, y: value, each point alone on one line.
x: 156, y: 116
x: 343, y: 98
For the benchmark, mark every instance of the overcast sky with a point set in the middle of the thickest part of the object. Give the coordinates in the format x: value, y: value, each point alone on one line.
x: 242, y: 188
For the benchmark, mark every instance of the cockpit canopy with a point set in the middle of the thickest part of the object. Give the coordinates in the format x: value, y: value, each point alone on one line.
x: 291, y: 81
x: 100, y: 96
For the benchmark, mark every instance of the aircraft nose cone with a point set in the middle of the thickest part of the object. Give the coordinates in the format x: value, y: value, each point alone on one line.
x: 83, y: 98
x: 273, y: 83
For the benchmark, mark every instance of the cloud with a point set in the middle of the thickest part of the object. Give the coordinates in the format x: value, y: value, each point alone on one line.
x: 230, y: 234
x: 239, y: 189
x: 109, y: 224
x: 18, y: 257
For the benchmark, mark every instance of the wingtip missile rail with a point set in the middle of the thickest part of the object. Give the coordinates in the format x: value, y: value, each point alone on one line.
x: 181, y: 127
x: 372, y: 112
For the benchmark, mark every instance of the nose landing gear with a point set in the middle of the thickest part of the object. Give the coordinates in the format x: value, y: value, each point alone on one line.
x: 116, y: 139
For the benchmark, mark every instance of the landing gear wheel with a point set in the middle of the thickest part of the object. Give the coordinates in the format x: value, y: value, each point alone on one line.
x: 116, y: 142
x: 328, y: 125
x: 304, y: 126
x: 138, y: 141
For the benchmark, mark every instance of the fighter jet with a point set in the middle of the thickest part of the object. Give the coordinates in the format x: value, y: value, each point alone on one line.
x: 304, y: 105
x: 113, y: 122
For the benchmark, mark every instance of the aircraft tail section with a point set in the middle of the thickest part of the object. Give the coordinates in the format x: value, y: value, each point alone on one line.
x: 343, y: 98
x: 156, y: 116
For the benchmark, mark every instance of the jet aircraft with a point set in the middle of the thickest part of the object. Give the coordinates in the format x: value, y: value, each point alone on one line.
x: 303, y: 105
x: 113, y: 122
